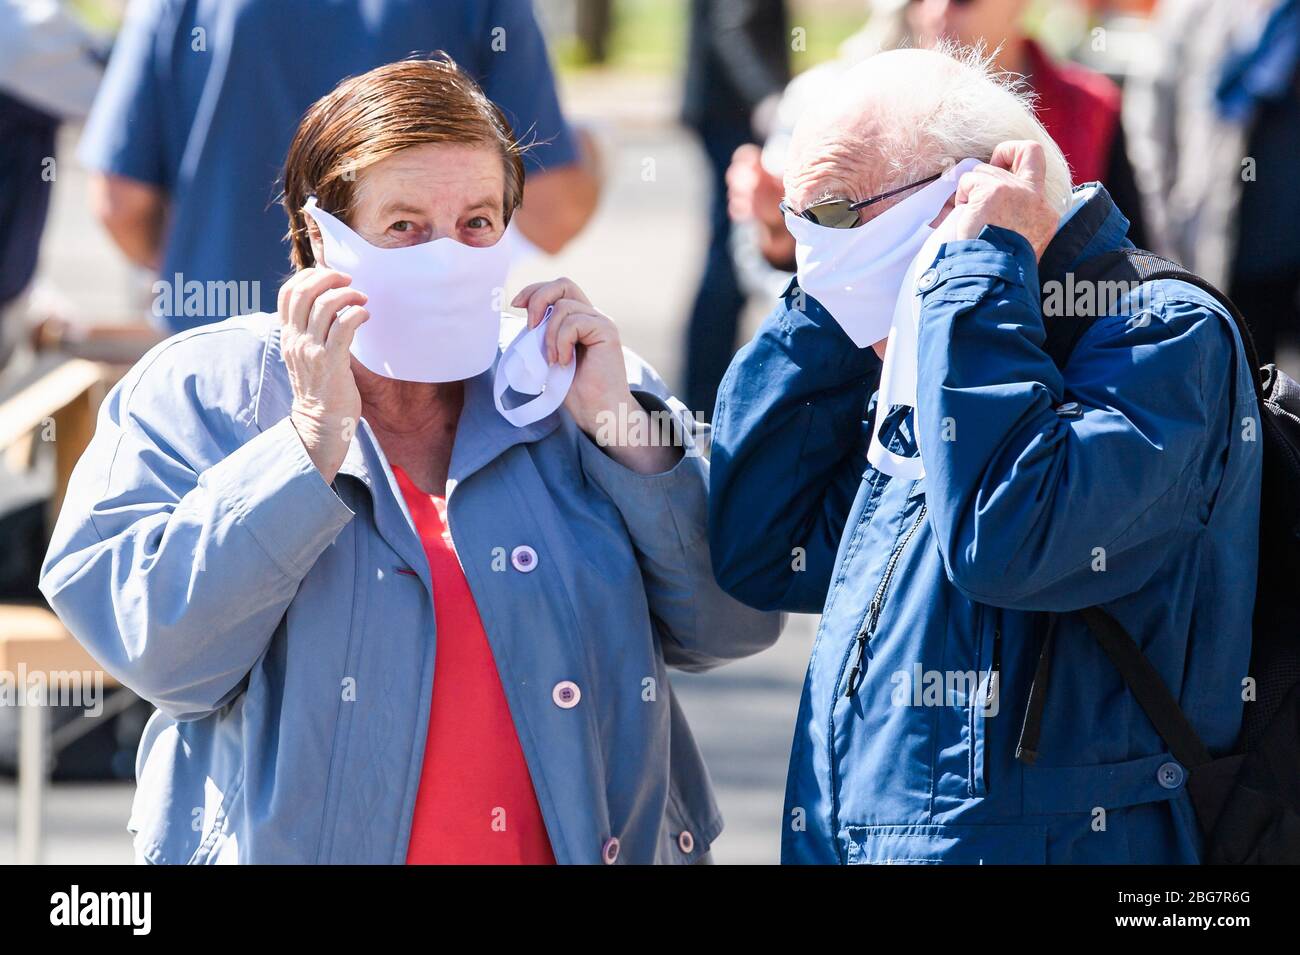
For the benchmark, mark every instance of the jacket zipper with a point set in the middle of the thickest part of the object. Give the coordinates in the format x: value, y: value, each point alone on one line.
x: 868, y: 628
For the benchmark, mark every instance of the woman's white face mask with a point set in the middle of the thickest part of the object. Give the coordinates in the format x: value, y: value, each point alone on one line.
x: 435, y: 308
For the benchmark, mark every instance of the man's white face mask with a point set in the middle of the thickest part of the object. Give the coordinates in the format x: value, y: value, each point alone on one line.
x: 434, y: 308
x: 866, y: 279
x: 856, y: 273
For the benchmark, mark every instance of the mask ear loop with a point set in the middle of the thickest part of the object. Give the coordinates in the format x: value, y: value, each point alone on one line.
x: 325, y: 221
x: 331, y: 228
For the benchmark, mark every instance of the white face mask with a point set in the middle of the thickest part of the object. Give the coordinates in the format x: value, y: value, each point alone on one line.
x: 434, y: 307
x: 866, y: 278
x: 856, y: 273
x: 524, y: 370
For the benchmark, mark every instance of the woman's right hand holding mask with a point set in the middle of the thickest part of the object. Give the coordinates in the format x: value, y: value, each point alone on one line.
x: 316, y: 344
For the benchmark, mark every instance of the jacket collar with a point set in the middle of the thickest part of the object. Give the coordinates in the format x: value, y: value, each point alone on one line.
x: 482, y: 435
x: 1095, y: 227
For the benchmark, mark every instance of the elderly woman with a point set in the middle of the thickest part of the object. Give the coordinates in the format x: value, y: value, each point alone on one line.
x: 381, y: 622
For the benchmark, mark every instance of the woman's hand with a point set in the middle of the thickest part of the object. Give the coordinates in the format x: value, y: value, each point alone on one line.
x: 599, y: 400
x: 316, y: 344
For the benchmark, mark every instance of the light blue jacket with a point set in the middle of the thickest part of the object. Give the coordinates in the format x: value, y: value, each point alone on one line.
x: 1129, y: 480
x: 284, y: 627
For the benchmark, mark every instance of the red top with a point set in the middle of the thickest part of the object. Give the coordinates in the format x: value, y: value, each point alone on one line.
x: 1080, y: 109
x: 476, y: 803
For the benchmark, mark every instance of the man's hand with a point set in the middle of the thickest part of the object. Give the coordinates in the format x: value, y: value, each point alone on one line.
x: 1007, y: 191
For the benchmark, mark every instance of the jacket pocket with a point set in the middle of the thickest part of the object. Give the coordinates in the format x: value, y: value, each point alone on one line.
x: 183, y: 805
x: 952, y: 845
x: 220, y: 845
x: 984, y: 699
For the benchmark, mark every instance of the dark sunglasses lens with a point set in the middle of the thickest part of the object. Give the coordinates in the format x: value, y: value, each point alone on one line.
x: 835, y: 214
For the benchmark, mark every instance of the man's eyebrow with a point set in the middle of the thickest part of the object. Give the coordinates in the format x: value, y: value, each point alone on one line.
x: 827, y: 196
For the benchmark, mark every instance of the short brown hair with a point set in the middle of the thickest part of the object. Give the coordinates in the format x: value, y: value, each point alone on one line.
x: 369, y: 117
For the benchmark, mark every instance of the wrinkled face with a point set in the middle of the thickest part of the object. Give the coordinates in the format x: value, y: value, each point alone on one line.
x: 969, y: 22
x: 830, y: 159
x: 431, y: 191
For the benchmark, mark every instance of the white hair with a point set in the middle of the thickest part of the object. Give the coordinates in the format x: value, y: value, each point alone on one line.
x: 929, y: 109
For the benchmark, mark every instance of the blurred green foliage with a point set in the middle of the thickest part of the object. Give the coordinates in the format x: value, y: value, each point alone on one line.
x: 650, y: 35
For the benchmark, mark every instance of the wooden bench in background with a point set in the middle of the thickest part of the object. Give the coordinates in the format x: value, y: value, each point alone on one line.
x: 58, y: 408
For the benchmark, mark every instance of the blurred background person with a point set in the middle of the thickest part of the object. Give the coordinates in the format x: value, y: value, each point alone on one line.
x: 737, y: 63
x: 753, y: 177
x: 202, y: 96
x: 49, y: 69
x: 1079, y: 107
x: 1215, y: 123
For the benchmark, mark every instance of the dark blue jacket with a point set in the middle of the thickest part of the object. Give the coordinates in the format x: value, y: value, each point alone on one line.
x: 1130, y: 481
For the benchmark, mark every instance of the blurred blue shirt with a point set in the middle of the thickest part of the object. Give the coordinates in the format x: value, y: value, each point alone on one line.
x: 202, y: 98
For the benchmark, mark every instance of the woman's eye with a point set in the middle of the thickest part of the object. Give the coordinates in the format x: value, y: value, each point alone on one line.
x: 480, y: 222
x: 401, y: 226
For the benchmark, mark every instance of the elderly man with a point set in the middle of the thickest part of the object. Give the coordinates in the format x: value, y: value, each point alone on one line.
x: 999, y: 494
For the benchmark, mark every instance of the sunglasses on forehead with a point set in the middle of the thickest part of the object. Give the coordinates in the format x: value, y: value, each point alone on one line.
x: 843, y: 213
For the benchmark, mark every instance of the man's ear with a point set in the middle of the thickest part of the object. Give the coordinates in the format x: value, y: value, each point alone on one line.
x: 317, y: 243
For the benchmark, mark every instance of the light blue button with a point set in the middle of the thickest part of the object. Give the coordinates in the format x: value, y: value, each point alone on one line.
x: 1170, y: 775
x: 1071, y: 409
x: 927, y: 280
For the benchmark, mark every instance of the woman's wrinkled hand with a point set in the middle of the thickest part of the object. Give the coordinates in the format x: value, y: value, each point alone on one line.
x: 600, y: 401
x: 580, y: 332
x: 316, y: 341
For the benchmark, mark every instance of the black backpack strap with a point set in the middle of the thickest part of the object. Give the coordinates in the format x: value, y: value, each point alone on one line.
x: 1159, y: 704
x: 1147, y: 688
x: 1139, y: 676
x: 1032, y: 727
x: 1139, y: 265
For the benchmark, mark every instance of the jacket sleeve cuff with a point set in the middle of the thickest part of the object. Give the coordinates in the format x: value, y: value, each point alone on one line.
x: 670, y: 507
x: 819, y: 341
x: 276, y: 494
x: 966, y: 269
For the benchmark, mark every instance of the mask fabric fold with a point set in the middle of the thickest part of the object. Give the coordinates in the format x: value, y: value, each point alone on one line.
x: 523, y: 369
x: 865, y: 278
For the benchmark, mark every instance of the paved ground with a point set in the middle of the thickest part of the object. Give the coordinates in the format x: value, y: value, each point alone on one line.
x: 638, y: 260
